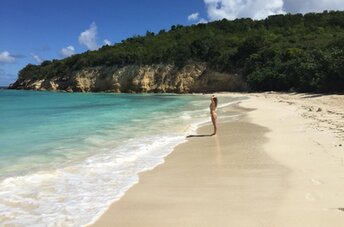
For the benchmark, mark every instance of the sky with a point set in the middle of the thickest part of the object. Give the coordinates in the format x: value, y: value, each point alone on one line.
x: 32, y: 31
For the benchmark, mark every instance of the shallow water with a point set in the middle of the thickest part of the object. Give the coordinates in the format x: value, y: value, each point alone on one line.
x: 65, y: 157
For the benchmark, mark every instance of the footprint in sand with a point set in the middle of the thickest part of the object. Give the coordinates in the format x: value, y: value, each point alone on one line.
x: 316, y: 182
x: 309, y: 197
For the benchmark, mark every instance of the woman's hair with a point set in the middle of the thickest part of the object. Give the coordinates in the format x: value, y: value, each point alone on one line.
x: 215, y: 100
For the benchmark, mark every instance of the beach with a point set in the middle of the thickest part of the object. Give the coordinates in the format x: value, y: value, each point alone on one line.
x: 107, y: 113
x: 279, y: 162
x: 66, y: 157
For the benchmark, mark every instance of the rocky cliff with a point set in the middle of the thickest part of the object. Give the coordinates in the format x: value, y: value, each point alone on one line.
x: 135, y: 78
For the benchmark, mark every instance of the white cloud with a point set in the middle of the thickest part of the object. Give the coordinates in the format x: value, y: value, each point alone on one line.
x: 230, y: 9
x: 88, y: 38
x: 68, y: 51
x: 6, y: 57
x: 193, y: 17
x: 304, y: 6
x: 107, y: 42
x: 202, y: 21
x: 260, y: 9
x: 37, y: 58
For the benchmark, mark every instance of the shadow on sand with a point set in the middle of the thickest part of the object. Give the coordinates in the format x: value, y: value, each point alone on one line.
x: 190, y: 136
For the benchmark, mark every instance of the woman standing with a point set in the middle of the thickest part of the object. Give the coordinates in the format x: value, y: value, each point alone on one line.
x: 213, y: 114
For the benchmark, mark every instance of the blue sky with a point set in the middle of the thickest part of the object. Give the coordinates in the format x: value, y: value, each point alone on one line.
x: 36, y: 30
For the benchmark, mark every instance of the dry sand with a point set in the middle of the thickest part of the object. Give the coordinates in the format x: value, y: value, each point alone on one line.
x: 280, y: 163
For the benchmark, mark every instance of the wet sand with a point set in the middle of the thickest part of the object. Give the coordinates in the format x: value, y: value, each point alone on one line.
x: 267, y: 167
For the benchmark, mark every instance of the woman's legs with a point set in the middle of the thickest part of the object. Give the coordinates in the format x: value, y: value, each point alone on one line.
x: 213, y: 120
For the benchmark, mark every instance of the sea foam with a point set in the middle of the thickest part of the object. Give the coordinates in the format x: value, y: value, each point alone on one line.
x: 78, y: 191
x: 77, y: 195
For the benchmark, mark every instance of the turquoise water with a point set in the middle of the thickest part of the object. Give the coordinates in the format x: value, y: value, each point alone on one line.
x: 47, y: 129
x: 70, y: 155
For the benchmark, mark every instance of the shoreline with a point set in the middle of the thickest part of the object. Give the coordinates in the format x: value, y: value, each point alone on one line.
x: 165, y: 194
x: 173, y: 181
x: 194, y: 128
x: 82, y: 189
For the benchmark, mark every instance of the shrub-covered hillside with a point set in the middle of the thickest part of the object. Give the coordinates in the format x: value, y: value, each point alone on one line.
x: 283, y: 52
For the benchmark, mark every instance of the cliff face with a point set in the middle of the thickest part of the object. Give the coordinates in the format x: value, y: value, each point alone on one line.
x: 134, y: 78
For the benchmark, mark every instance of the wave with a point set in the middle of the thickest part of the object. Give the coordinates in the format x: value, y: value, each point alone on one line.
x: 78, y: 194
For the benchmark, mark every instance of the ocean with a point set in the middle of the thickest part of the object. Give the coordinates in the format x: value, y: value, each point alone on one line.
x: 65, y: 157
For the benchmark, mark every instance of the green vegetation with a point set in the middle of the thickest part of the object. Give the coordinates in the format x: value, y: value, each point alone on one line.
x: 282, y: 53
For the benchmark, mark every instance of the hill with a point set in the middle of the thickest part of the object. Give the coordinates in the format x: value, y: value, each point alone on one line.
x: 281, y: 53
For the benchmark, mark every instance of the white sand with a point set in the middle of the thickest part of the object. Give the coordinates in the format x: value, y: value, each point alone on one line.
x: 279, y: 164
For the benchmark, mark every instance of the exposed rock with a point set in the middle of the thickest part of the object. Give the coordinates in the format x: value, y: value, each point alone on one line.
x: 194, y: 77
